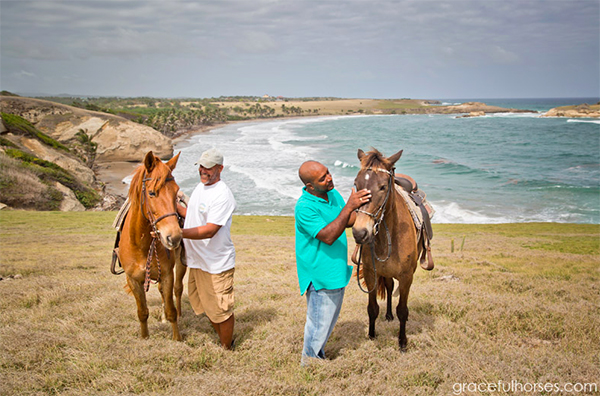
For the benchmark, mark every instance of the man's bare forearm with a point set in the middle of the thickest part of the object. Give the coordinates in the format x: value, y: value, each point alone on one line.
x: 201, y: 232
x: 332, y: 231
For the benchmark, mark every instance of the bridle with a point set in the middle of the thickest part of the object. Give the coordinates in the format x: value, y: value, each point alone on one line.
x: 150, y: 217
x: 378, y: 217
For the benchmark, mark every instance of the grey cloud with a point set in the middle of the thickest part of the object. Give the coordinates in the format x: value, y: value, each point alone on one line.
x: 331, y: 37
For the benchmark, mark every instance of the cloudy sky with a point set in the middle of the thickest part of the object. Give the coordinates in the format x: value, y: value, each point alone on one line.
x: 345, y: 48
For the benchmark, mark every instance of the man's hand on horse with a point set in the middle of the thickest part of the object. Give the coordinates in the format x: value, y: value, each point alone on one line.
x: 358, y: 198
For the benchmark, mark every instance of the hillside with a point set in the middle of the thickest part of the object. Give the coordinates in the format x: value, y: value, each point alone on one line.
x: 117, y: 138
x: 48, y: 153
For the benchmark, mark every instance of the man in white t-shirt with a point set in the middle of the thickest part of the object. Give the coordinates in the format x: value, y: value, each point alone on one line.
x: 210, y: 254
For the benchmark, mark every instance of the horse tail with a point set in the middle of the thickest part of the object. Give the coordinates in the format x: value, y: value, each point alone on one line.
x: 381, y: 291
x: 361, y: 276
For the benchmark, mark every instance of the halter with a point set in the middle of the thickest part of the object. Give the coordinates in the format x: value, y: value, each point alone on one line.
x: 150, y: 217
x: 378, y: 217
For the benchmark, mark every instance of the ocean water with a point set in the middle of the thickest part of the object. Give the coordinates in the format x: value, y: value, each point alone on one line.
x: 494, y: 169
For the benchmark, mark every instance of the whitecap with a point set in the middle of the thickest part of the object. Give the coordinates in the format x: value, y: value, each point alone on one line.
x: 343, y: 164
x: 585, y: 121
x: 127, y: 179
x: 451, y: 212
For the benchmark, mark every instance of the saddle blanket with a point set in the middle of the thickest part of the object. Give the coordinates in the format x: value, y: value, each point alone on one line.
x: 415, y: 211
x: 120, y: 218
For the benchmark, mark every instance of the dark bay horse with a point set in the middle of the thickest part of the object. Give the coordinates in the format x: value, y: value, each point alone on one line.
x: 144, y: 257
x: 386, y: 230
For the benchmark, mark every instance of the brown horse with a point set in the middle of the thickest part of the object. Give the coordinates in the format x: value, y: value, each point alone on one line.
x: 150, y: 244
x: 386, y: 232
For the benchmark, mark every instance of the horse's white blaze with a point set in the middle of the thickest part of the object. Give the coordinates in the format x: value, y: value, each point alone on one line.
x: 366, y: 176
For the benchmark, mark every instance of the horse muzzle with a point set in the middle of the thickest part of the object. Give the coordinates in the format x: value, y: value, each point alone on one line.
x: 362, y: 235
x: 172, y: 242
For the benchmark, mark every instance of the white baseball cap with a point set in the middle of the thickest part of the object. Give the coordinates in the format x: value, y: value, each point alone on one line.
x: 210, y: 158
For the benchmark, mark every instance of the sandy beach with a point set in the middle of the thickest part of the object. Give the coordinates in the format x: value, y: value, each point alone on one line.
x: 112, y: 175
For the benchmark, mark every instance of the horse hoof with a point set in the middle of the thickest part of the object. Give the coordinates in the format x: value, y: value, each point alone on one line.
x: 389, y: 318
x: 403, y: 347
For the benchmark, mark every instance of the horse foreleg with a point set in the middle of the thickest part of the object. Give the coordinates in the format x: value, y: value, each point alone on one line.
x: 180, y: 270
x: 402, y: 312
x: 142, y: 307
x: 163, y: 318
x: 166, y: 290
x: 373, y: 310
x: 389, y: 288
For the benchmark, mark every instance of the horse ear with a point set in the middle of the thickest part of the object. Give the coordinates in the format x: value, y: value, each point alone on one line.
x: 361, y: 154
x: 395, y: 157
x: 149, y: 161
x: 173, y: 161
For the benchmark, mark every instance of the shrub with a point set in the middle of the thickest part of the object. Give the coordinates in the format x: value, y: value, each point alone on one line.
x: 19, y: 125
x: 49, y: 172
x: 5, y: 142
x: 21, y: 187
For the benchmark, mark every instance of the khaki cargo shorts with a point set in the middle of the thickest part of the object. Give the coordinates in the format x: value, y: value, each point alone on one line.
x: 211, y: 294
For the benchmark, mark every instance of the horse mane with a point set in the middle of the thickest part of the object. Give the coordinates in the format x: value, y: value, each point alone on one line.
x: 135, y: 189
x: 375, y: 159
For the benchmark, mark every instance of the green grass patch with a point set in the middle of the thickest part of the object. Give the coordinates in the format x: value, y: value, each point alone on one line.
x: 19, y: 125
x: 570, y: 244
x: 263, y: 225
x: 394, y: 105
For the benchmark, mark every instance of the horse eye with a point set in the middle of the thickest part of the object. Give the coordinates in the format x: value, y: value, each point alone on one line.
x: 382, y: 188
x: 152, y: 194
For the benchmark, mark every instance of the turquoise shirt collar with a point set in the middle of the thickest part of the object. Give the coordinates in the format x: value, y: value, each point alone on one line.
x: 312, y: 197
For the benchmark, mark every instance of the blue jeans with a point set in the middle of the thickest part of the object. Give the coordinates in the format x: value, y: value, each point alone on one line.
x: 323, y: 309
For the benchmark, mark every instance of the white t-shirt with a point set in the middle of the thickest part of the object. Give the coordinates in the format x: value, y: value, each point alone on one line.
x: 211, y: 204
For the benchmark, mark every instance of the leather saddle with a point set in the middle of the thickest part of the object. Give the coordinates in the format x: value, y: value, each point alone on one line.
x: 410, y: 186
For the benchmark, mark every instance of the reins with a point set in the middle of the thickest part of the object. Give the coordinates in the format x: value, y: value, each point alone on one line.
x: 378, y: 219
x: 152, y: 251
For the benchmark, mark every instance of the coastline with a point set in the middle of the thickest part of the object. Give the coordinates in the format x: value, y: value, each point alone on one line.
x: 113, y: 173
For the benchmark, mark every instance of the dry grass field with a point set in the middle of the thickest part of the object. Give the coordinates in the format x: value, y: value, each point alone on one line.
x: 516, y: 302
x: 339, y: 106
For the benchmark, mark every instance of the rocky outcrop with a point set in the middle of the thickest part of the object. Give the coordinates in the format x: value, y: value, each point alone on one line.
x: 472, y: 114
x: 69, y: 202
x: 479, y: 107
x: 464, y: 108
x: 580, y: 111
x: 118, y: 139
x: 75, y: 167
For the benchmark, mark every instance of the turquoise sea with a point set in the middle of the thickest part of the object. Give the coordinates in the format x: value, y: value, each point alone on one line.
x: 494, y: 169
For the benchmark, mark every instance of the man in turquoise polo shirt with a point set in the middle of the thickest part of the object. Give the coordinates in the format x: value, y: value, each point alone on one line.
x: 322, y: 252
